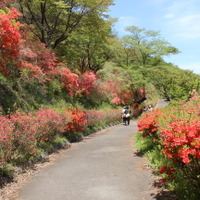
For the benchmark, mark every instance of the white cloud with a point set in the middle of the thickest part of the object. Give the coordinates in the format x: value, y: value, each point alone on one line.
x: 188, y: 26
x: 183, y: 19
x: 189, y: 19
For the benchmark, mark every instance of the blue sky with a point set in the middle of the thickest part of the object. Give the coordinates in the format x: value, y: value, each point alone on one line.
x: 177, y: 21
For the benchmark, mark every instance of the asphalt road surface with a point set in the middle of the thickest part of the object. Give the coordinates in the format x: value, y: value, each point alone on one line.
x: 102, y: 167
x: 162, y: 103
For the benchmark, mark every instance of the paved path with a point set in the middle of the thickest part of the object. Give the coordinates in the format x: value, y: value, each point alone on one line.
x: 103, y: 167
x: 162, y: 103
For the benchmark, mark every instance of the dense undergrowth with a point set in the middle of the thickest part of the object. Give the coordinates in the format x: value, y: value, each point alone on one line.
x: 170, y: 138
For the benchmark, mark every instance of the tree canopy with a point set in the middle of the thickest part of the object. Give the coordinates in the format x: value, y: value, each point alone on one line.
x: 54, y: 21
x: 141, y: 45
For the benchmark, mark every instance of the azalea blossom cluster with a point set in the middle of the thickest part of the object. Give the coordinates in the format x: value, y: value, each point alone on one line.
x: 181, y: 140
x: 21, y: 53
x: 176, y: 131
x: 75, y: 84
x: 21, y: 134
x: 77, y: 121
x: 148, y: 123
x: 121, y: 96
x: 10, y: 39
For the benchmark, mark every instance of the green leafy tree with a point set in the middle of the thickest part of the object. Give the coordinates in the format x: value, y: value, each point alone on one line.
x: 55, y: 20
x: 87, y: 48
x: 142, y: 45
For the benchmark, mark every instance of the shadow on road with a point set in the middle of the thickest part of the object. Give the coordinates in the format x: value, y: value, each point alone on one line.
x: 5, y: 179
x: 163, y: 194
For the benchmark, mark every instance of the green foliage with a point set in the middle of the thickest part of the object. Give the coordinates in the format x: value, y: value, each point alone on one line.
x: 152, y: 95
x: 143, y: 145
x: 172, y: 82
x: 143, y: 44
x: 50, y: 146
x: 88, y: 50
x: 54, y: 21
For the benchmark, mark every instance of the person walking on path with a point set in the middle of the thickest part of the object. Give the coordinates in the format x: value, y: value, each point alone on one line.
x: 123, y: 114
x: 127, y: 116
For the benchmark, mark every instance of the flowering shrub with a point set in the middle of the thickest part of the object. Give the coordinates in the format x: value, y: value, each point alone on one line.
x: 50, y: 124
x: 75, y: 84
x: 181, y: 140
x: 10, y: 39
x: 22, y: 134
x: 6, y: 130
x: 148, y: 123
x: 86, y: 82
x: 36, y: 61
x: 176, y: 133
x: 77, y: 121
x: 69, y: 81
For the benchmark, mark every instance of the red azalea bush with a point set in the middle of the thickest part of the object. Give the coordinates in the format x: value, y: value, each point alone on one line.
x: 148, y: 123
x: 87, y: 82
x: 27, y: 132
x: 21, y: 54
x: 75, y: 84
x: 10, y: 38
x: 77, y: 121
x: 176, y: 133
x: 36, y: 60
x: 181, y: 140
x: 69, y: 80
x: 6, y: 131
x: 23, y: 138
x: 50, y: 124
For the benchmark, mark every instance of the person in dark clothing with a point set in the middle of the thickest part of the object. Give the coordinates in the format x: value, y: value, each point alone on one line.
x: 127, y: 115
